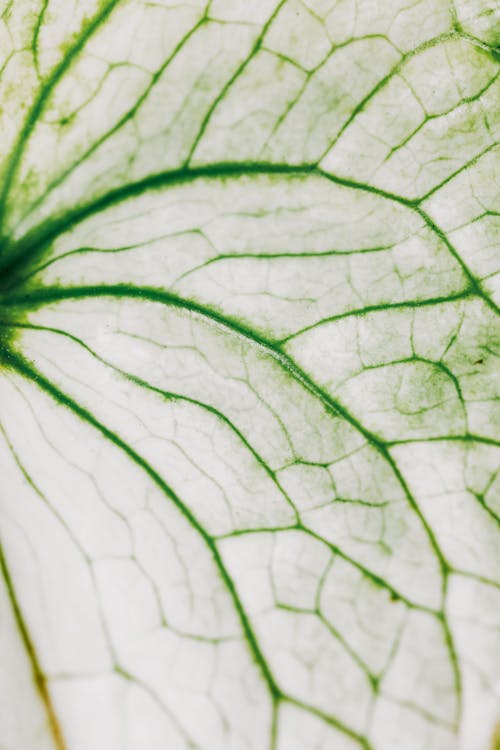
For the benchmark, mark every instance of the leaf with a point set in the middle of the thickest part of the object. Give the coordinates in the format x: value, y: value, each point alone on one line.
x: 249, y: 426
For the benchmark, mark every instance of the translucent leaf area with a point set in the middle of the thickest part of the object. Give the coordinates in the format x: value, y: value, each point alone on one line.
x: 249, y: 375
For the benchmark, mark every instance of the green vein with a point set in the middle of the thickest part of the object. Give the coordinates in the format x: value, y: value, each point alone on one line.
x: 21, y: 251
x: 16, y: 362
x: 462, y: 168
x: 297, y: 525
x: 436, y: 41
x: 379, y: 582
x: 36, y: 34
x: 473, y: 282
x: 365, y: 311
x: 167, y: 395
x: 328, y: 402
x: 222, y: 93
x: 44, y: 95
x: 19, y: 364
x: 119, y: 124
x: 18, y: 253
x: 51, y: 295
x: 48, y: 295
x: 468, y: 437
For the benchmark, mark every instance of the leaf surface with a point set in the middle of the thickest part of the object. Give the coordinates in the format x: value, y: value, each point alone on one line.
x: 249, y: 427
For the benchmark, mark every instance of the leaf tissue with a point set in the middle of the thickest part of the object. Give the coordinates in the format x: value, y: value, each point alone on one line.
x: 249, y: 374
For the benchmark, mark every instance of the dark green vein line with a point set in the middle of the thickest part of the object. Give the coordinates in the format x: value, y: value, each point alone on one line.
x: 48, y: 295
x: 298, y: 526
x: 473, y: 282
x: 212, y: 261
x: 468, y: 437
x: 495, y: 517
x: 117, y: 668
x: 55, y: 183
x: 327, y: 719
x: 19, y: 364
x: 383, y: 306
x: 395, y: 594
x: 21, y: 251
x: 490, y: 48
x: 258, y: 257
x: 44, y: 95
x: 463, y: 168
x: 168, y: 396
